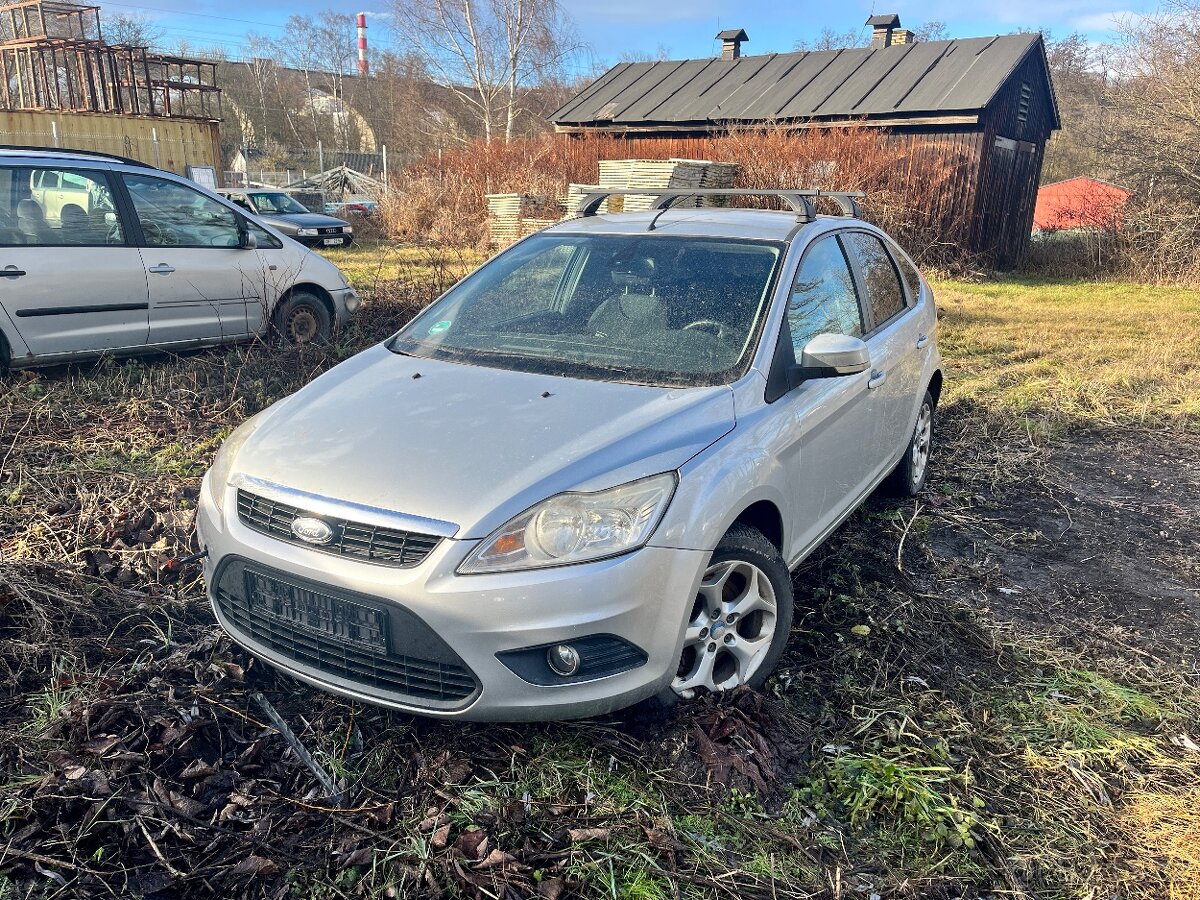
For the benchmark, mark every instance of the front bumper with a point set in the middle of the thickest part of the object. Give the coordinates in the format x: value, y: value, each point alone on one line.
x: 345, y: 303
x: 642, y: 597
x: 317, y: 242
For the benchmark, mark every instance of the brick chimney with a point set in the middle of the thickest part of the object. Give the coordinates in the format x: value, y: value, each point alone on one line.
x: 731, y: 42
x: 883, y: 30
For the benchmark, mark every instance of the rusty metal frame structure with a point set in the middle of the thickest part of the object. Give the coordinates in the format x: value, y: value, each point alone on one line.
x: 53, y: 57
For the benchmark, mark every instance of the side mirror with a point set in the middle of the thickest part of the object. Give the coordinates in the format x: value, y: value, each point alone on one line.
x: 831, y: 356
x: 248, y: 240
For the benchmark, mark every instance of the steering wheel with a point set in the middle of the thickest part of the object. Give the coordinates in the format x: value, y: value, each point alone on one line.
x: 719, y: 329
x: 158, y: 235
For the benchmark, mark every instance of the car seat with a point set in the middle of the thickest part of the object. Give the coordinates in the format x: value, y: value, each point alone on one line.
x: 76, y: 226
x: 637, y: 308
x: 31, y: 221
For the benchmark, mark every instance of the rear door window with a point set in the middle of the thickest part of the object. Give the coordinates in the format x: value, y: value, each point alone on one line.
x: 879, y: 274
x: 49, y: 208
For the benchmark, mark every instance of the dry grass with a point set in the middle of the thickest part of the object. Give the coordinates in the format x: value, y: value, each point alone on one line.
x: 1069, y: 352
x: 944, y: 751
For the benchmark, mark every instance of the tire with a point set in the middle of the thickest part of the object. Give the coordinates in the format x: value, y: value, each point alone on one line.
x: 302, y: 318
x: 711, y: 660
x: 908, y: 478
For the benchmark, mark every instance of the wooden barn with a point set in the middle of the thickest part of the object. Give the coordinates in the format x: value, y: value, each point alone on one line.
x: 986, y: 104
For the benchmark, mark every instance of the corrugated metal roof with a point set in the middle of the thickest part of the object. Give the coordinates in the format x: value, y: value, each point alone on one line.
x: 931, y: 78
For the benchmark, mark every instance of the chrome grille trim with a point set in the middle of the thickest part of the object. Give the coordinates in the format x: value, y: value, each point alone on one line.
x: 355, y: 540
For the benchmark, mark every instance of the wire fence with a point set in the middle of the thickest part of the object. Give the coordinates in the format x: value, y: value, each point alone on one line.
x: 283, y: 167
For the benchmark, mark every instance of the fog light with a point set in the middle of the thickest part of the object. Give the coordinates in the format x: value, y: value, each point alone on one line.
x: 353, y: 301
x: 563, y: 659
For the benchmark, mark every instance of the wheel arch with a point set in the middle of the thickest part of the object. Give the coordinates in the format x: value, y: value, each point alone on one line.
x: 935, y: 387
x: 313, y: 288
x: 764, y: 517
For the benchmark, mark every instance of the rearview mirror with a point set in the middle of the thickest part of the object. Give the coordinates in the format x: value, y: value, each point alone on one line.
x: 249, y: 241
x: 831, y: 356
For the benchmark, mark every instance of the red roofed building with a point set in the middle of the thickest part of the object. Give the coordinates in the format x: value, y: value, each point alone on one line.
x: 1079, y: 203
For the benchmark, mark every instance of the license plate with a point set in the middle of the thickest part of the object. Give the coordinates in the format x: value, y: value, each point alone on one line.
x: 329, y: 241
x: 319, y: 614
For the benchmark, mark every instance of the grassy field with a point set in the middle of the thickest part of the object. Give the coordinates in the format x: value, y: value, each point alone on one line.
x: 991, y: 691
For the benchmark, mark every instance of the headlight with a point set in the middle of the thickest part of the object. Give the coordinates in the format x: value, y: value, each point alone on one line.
x: 352, y: 301
x: 573, y: 528
x: 306, y: 232
x: 222, y: 467
x: 349, y: 229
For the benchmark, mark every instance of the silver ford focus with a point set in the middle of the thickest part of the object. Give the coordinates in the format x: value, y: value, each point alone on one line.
x: 580, y: 478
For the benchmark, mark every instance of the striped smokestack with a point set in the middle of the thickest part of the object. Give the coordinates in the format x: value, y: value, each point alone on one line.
x: 363, y: 67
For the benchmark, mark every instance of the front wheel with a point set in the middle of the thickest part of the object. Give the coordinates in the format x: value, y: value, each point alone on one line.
x: 908, y: 478
x: 738, y: 623
x: 302, y: 319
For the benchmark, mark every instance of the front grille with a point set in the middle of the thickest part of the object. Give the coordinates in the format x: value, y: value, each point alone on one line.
x: 408, y: 670
x: 337, y: 230
x: 370, y: 543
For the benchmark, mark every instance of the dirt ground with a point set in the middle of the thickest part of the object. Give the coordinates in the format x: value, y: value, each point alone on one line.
x: 991, y: 691
x: 1099, y: 542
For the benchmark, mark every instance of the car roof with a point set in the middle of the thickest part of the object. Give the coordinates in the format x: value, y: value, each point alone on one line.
x: 747, y: 224
x: 94, y: 159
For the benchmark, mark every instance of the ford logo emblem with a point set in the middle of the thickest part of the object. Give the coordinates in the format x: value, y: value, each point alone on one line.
x: 312, y: 531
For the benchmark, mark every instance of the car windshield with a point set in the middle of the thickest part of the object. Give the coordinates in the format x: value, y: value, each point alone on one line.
x: 649, y: 309
x: 276, y: 204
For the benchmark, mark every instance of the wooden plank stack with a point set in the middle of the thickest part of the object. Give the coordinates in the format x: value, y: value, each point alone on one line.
x: 512, y: 216
x: 674, y: 174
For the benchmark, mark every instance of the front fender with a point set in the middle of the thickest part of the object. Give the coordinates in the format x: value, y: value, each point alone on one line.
x: 715, y: 488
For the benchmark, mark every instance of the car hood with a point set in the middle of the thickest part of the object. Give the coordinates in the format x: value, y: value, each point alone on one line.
x: 470, y: 445
x: 303, y: 220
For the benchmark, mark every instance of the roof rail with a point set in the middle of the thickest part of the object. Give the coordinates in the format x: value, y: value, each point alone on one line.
x: 67, y: 151
x: 801, y: 201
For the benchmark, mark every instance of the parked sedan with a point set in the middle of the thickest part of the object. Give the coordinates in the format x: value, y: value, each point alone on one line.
x: 283, y: 212
x: 579, y: 480
x: 100, y: 254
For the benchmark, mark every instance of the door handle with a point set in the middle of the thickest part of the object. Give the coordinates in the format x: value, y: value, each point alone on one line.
x: 877, y: 378
x: 922, y: 341
x: 12, y: 272
x: 162, y: 269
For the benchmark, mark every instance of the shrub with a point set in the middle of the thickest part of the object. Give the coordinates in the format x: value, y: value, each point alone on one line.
x: 442, y: 197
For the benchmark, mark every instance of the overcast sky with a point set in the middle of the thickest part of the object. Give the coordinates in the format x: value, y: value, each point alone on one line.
x: 684, y: 28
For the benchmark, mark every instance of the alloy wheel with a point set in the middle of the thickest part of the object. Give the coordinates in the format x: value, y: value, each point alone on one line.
x: 729, y: 631
x: 921, y: 443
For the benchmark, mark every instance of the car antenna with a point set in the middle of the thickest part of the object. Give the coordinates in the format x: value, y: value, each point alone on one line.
x: 665, y: 206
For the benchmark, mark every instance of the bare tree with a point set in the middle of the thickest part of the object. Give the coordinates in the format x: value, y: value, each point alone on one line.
x: 488, y: 52
x: 829, y: 39
x: 1152, y: 135
x: 932, y: 31
x: 135, y: 30
x: 1080, y: 78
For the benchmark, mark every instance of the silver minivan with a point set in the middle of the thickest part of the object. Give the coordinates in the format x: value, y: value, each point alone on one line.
x: 100, y: 254
x: 580, y: 478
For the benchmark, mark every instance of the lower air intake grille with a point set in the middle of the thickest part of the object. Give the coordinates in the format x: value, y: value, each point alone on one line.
x: 383, y: 546
x: 410, y: 662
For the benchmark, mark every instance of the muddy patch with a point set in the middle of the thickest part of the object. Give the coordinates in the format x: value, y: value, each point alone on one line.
x: 1096, y: 543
